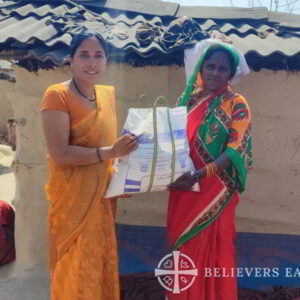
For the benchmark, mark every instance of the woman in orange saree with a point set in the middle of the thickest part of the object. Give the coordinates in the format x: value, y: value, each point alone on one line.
x: 79, y: 121
x: 201, y: 224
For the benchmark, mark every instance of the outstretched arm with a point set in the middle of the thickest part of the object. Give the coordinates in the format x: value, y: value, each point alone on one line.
x: 188, y: 179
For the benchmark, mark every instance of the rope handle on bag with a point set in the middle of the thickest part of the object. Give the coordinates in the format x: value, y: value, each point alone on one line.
x: 161, y: 98
x: 155, y: 142
x: 139, y: 101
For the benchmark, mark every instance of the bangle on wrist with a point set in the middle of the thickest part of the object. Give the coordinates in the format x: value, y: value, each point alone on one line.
x: 211, y: 169
x: 99, y: 154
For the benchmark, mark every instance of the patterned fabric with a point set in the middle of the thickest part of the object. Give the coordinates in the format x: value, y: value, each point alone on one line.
x: 227, y: 127
x: 202, y: 224
x: 226, y: 124
x: 81, y: 222
x: 221, y: 123
x: 7, y: 241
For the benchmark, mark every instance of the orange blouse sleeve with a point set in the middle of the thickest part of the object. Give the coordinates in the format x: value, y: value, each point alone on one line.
x: 241, y: 124
x: 54, y: 99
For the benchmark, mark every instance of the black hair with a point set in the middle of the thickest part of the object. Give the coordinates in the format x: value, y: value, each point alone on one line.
x: 78, y: 39
x: 219, y: 48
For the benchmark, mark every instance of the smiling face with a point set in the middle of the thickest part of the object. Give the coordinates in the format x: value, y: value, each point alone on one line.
x: 89, y: 61
x: 216, y: 71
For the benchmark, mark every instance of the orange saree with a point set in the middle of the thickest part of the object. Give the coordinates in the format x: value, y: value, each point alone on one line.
x: 81, y: 222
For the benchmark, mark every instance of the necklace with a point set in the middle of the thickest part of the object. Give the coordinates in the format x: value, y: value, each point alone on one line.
x: 82, y: 94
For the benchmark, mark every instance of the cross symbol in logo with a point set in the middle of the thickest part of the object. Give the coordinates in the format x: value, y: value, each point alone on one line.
x: 183, y: 265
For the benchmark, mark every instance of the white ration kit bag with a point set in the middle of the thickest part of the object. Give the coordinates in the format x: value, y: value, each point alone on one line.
x: 162, y: 154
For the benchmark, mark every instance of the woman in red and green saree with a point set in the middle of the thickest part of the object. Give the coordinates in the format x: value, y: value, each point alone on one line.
x: 201, y: 224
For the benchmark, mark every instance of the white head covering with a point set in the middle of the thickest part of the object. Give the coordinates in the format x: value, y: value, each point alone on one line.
x: 192, y: 55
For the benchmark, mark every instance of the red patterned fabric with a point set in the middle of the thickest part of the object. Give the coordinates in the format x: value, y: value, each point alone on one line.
x: 213, y: 246
x: 7, y: 244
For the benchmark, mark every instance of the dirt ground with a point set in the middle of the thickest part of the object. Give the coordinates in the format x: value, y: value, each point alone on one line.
x: 28, y: 285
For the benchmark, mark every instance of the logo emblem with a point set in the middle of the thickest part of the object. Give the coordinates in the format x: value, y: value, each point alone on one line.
x: 176, y: 272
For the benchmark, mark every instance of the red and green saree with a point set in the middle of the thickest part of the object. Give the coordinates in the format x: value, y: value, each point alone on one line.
x: 202, y: 224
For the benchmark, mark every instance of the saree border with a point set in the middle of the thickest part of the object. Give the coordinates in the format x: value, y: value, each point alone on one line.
x: 217, y: 205
x: 213, y: 211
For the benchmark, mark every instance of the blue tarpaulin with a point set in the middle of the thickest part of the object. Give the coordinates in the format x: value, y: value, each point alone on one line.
x: 266, y: 260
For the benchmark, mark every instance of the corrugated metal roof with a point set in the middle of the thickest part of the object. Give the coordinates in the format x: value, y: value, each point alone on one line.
x: 5, y: 65
x: 284, y: 18
x: 6, y: 71
x: 222, y: 13
x: 150, y: 7
x: 44, y: 29
x: 162, y: 8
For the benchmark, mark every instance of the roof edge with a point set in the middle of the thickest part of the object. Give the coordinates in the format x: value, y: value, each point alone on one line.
x: 211, y: 12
